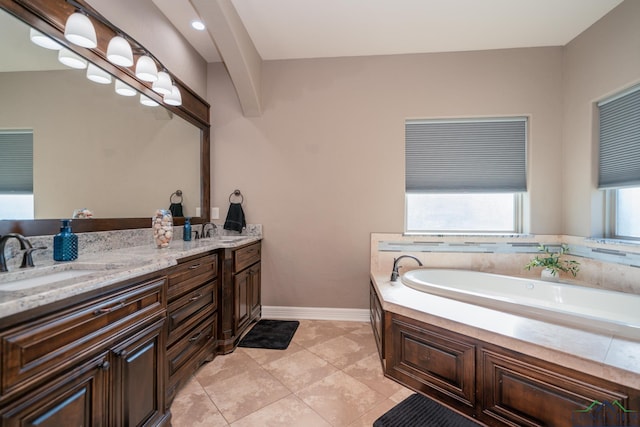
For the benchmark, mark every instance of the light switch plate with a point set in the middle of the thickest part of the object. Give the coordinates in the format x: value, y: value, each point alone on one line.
x: 215, y: 213
x: 198, y: 211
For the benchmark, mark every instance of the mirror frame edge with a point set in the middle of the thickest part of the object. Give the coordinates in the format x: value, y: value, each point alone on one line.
x: 48, y: 17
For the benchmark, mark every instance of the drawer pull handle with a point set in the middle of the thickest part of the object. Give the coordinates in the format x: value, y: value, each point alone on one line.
x: 196, y: 337
x: 109, y: 309
x: 194, y: 266
x: 104, y: 366
x: 195, y: 297
x: 122, y: 353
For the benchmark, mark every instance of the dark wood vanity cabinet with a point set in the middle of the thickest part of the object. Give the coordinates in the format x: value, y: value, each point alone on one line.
x: 499, y: 386
x: 97, y: 362
x: 192, y: 318
x: 241, y: 293
x: 246, y: 279
x: 376, y: 317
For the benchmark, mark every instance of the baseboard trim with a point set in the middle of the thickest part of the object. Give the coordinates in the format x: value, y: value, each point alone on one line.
x: 315, y: 313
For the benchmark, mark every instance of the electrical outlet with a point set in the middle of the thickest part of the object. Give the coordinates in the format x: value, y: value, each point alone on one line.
x: 198, y: 211
x: 215, y: 213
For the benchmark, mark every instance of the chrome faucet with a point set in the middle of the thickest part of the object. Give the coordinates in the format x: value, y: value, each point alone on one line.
x: 394, y: 272
x: 24, y: 244
x: 208, y: 233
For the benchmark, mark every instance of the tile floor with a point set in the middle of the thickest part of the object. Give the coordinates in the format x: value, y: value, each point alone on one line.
x: 329, y: 376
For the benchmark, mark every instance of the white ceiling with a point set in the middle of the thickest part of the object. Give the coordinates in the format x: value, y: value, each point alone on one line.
x: 287, y: 29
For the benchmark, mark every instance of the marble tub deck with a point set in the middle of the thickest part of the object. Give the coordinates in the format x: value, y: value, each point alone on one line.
x: 605, y: 356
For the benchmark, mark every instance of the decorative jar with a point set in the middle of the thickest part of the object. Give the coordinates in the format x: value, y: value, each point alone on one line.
x: 162, y: 226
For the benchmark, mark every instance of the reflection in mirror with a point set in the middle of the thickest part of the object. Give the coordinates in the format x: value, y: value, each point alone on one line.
x: 92, y: 148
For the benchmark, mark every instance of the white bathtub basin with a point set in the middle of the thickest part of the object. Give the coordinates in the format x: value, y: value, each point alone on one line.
x: 596, y: 310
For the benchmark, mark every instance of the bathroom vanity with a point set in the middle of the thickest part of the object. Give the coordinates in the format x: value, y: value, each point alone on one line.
x: 501, y: 369
x: 112, y: 347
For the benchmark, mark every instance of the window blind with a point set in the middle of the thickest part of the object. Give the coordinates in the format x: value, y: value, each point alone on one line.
x: 16, y: 161
x: 453, y: 156
x: 619, y: 162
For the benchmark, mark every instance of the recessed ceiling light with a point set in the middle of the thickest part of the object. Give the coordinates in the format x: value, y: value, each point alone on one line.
x: 198, y: 25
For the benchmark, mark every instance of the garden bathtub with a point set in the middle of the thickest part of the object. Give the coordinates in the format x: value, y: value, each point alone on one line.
x: 596, y: 310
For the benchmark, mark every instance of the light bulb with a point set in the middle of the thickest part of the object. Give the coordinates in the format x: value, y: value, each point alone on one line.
x: 43, y: 41
x: 71, y: 59
x: 79, y: 30
x: 98, y: 75
x: 119, y: 52
x: 124, y: 89
x: 146, y: 69
x: 174, y: 98
x: 145, y: 100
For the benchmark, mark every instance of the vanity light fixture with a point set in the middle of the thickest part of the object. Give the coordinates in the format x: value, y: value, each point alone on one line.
x: 80, y: 31
x: 71, y: 59
x: 196, y: 24
x: 43, y: 41
x: 98, y: 75
x: 119, y: 52
x: 174, y: 98
x: 124, y: 89
x: 145, y: 100
x: 146, y: 69
x: 163, y: 85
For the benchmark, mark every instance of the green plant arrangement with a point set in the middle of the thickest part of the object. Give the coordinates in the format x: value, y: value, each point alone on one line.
x: 552, y: 261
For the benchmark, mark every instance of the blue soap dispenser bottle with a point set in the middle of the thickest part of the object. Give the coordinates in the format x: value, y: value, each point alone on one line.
x: 65, y: 243
x: 186, y: 232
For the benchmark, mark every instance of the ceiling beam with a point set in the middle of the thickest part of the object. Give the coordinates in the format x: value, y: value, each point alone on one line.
x: 236, y: 49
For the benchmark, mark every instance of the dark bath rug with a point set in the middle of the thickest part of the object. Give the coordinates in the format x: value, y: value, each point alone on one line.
x: 420, y: 411
x: 271, y: 334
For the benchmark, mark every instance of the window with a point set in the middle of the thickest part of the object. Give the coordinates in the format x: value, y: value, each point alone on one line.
x: 465, y: 175
x: 619, y: 162
x: 16, y: 174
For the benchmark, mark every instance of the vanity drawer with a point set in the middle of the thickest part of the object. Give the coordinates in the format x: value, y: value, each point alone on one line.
x: 41, y: 348
x: 180, y: 354
x: 244, y: 257
x: 190, y: 274
x: 190, y: 309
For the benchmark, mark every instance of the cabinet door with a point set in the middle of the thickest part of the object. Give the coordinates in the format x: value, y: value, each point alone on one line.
x: 432, y: 360
x: 532, y: 395
x: 242, y: 310
x: 138, y: 378
x: 253, y: 292
x: 79, y: 399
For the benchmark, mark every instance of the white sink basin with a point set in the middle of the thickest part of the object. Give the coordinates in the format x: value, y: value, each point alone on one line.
x: 49, y: 279
x: 230, y: 239
x: 21, y: 279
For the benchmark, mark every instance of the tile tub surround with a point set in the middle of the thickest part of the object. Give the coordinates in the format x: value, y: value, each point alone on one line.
x: 603, y: 264
x: 118, y: 260
x: 612, y: 358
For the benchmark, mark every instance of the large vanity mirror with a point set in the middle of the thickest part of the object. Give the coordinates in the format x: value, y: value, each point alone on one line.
x: 93, y: 148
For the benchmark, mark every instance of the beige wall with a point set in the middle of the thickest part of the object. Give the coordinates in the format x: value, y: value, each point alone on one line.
x: 601, y: 61
x: 98, y: 150
x: 323, y: 167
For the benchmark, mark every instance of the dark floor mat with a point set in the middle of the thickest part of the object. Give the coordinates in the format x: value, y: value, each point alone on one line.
x: 420, y: 411
x: 271, y: 334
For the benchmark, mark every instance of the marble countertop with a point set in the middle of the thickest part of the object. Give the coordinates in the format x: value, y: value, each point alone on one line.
x: 608, y: 357
x: 97, y: 270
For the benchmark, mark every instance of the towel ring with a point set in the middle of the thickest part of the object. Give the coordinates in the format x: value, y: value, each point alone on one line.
x: 236, y: 193
x: 177, y: 193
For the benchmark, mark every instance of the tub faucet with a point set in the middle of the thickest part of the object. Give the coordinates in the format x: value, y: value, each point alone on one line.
x: 24, y: 244
x: 394, y: 272
x: 208, y: 233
